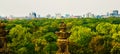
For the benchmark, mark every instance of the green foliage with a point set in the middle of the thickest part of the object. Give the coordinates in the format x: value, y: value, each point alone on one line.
x: 50, y: 37
x: 81, y: 35
x: 20, y: 37
x: 104, y: 28
x: 88, y: 35
x: 115, y: 49
x: 116, y: 36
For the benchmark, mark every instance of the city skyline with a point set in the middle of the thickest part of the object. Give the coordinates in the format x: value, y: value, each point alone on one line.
x: 44, y: 7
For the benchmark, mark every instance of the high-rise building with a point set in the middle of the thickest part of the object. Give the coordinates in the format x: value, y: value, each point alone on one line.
x: 33, y: 15
x: 114, y: 13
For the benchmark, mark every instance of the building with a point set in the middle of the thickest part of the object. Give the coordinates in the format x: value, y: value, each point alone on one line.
x: 119, y: 15
x: 39, y: 16
x: 48, y: 16
x: 108, y: 14
x: 104, y: 16
x: 67, y: 15
x: 33, y: 15
x: 98, y: 16
x: 83, y: 16
x: 114, y: 13
x: 90, y: 15
x: 58, y: 16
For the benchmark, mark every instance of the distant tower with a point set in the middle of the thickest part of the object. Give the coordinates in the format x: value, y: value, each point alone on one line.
x: 34, y: 14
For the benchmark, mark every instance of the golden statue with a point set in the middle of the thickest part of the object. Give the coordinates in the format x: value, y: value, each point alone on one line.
x: 62, y: 40
x: 3, y: 44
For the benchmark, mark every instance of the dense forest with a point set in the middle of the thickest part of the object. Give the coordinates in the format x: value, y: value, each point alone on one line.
x: 88, y: 35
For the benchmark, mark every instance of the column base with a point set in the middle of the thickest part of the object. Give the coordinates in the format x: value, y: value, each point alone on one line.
x: 62, y: 53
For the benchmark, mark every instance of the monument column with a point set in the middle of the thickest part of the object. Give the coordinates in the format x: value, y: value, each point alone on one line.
x: 62, y: 41
x: 3, y: 42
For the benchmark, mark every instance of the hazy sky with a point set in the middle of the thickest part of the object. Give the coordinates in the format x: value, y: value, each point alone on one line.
x: 43, y: 7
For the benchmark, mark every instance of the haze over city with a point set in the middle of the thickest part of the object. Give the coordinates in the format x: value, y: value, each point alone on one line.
x: 43, y: 7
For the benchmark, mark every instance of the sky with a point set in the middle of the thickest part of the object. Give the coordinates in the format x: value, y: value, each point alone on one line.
x: 44, y: 7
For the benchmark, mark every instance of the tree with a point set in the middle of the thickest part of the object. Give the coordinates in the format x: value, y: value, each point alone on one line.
x: 116, y: 36
x: 21, y: 40
x: 51, y: 46
x: 106, y: 29
x: 81, y: 35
